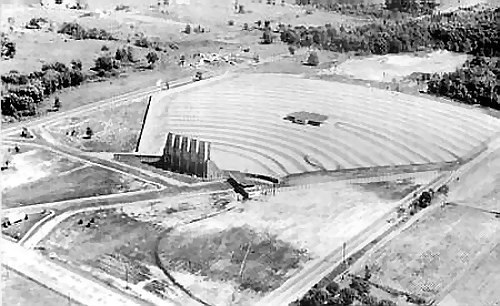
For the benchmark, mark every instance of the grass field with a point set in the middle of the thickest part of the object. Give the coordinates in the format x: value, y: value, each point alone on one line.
x: 77, y: 183
x: 384, y: 68
x: 480, y: 187
x: 242, y: 116
x: 33, y: 164
x: 115, y: 130
x: 480, y: 286
x: 430, y: 253
x: 18, y: 230
x: 18, y: 290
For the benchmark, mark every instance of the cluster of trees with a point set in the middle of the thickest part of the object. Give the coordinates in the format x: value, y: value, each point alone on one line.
x: 23, y: 93
x: 332, y: 294
x: 107, y: 65
x: 473, y: 33
x: 76, y: 31
x: 8, y: 47
x: 476, y: 82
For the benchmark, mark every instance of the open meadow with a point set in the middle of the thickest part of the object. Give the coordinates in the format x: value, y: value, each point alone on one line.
x: 427, y: 256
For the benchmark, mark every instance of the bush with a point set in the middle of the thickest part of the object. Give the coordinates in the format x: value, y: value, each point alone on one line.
x: 104, y: 48
x: 187, y: 30
x: 313, y: 59
x: 267, y: 37
x: 8, y: 47
x: 230, y: 23
x: 152, y: 58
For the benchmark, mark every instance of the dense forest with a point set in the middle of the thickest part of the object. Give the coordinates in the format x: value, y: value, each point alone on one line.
x: 477, y: 82
x: 469, y: 32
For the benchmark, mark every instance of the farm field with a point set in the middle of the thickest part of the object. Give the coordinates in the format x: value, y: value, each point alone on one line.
x: 18, y: 290
x: 242, y: 116
x: 85, y: 181
x: 448, y: 241
x: 480, y: 286
x: 284, y: 232
x: 482, y: 185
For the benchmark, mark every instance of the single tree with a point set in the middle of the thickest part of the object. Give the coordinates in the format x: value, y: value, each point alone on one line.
x: 89, y: 133
x: 57, y: 103
x: 152, y: 58
x: 267, y: 37
x: 313, y: 59
x: 332, y: 288
x: 291, y: 49
x: 187, y: 30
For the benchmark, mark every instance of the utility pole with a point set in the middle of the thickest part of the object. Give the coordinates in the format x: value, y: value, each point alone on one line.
x: 243, y: 262
x: 343, y: 252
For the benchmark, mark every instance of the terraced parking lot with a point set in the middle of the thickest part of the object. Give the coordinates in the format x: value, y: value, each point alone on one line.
x: 242, y: 116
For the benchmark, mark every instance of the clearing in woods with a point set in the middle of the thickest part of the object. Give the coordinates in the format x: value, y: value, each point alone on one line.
x: 385, y: 68
x: 433, y: 251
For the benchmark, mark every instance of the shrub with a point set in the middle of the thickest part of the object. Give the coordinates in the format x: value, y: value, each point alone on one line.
x: 104, y: 48
x: 267, y: 37
x: 187, y: 30
x: 152, y: 58
x: 8, y: 47
x: 313, y: 59
x: 230, y: 23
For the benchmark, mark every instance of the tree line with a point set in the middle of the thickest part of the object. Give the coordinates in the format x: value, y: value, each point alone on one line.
x: 476, y: 82
x: 470, y: 32
x: 23, y: 93
x: 388, y: 9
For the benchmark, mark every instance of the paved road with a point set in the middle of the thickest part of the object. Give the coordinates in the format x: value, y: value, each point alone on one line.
x: 310, y: 275
x: 58, y: 278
